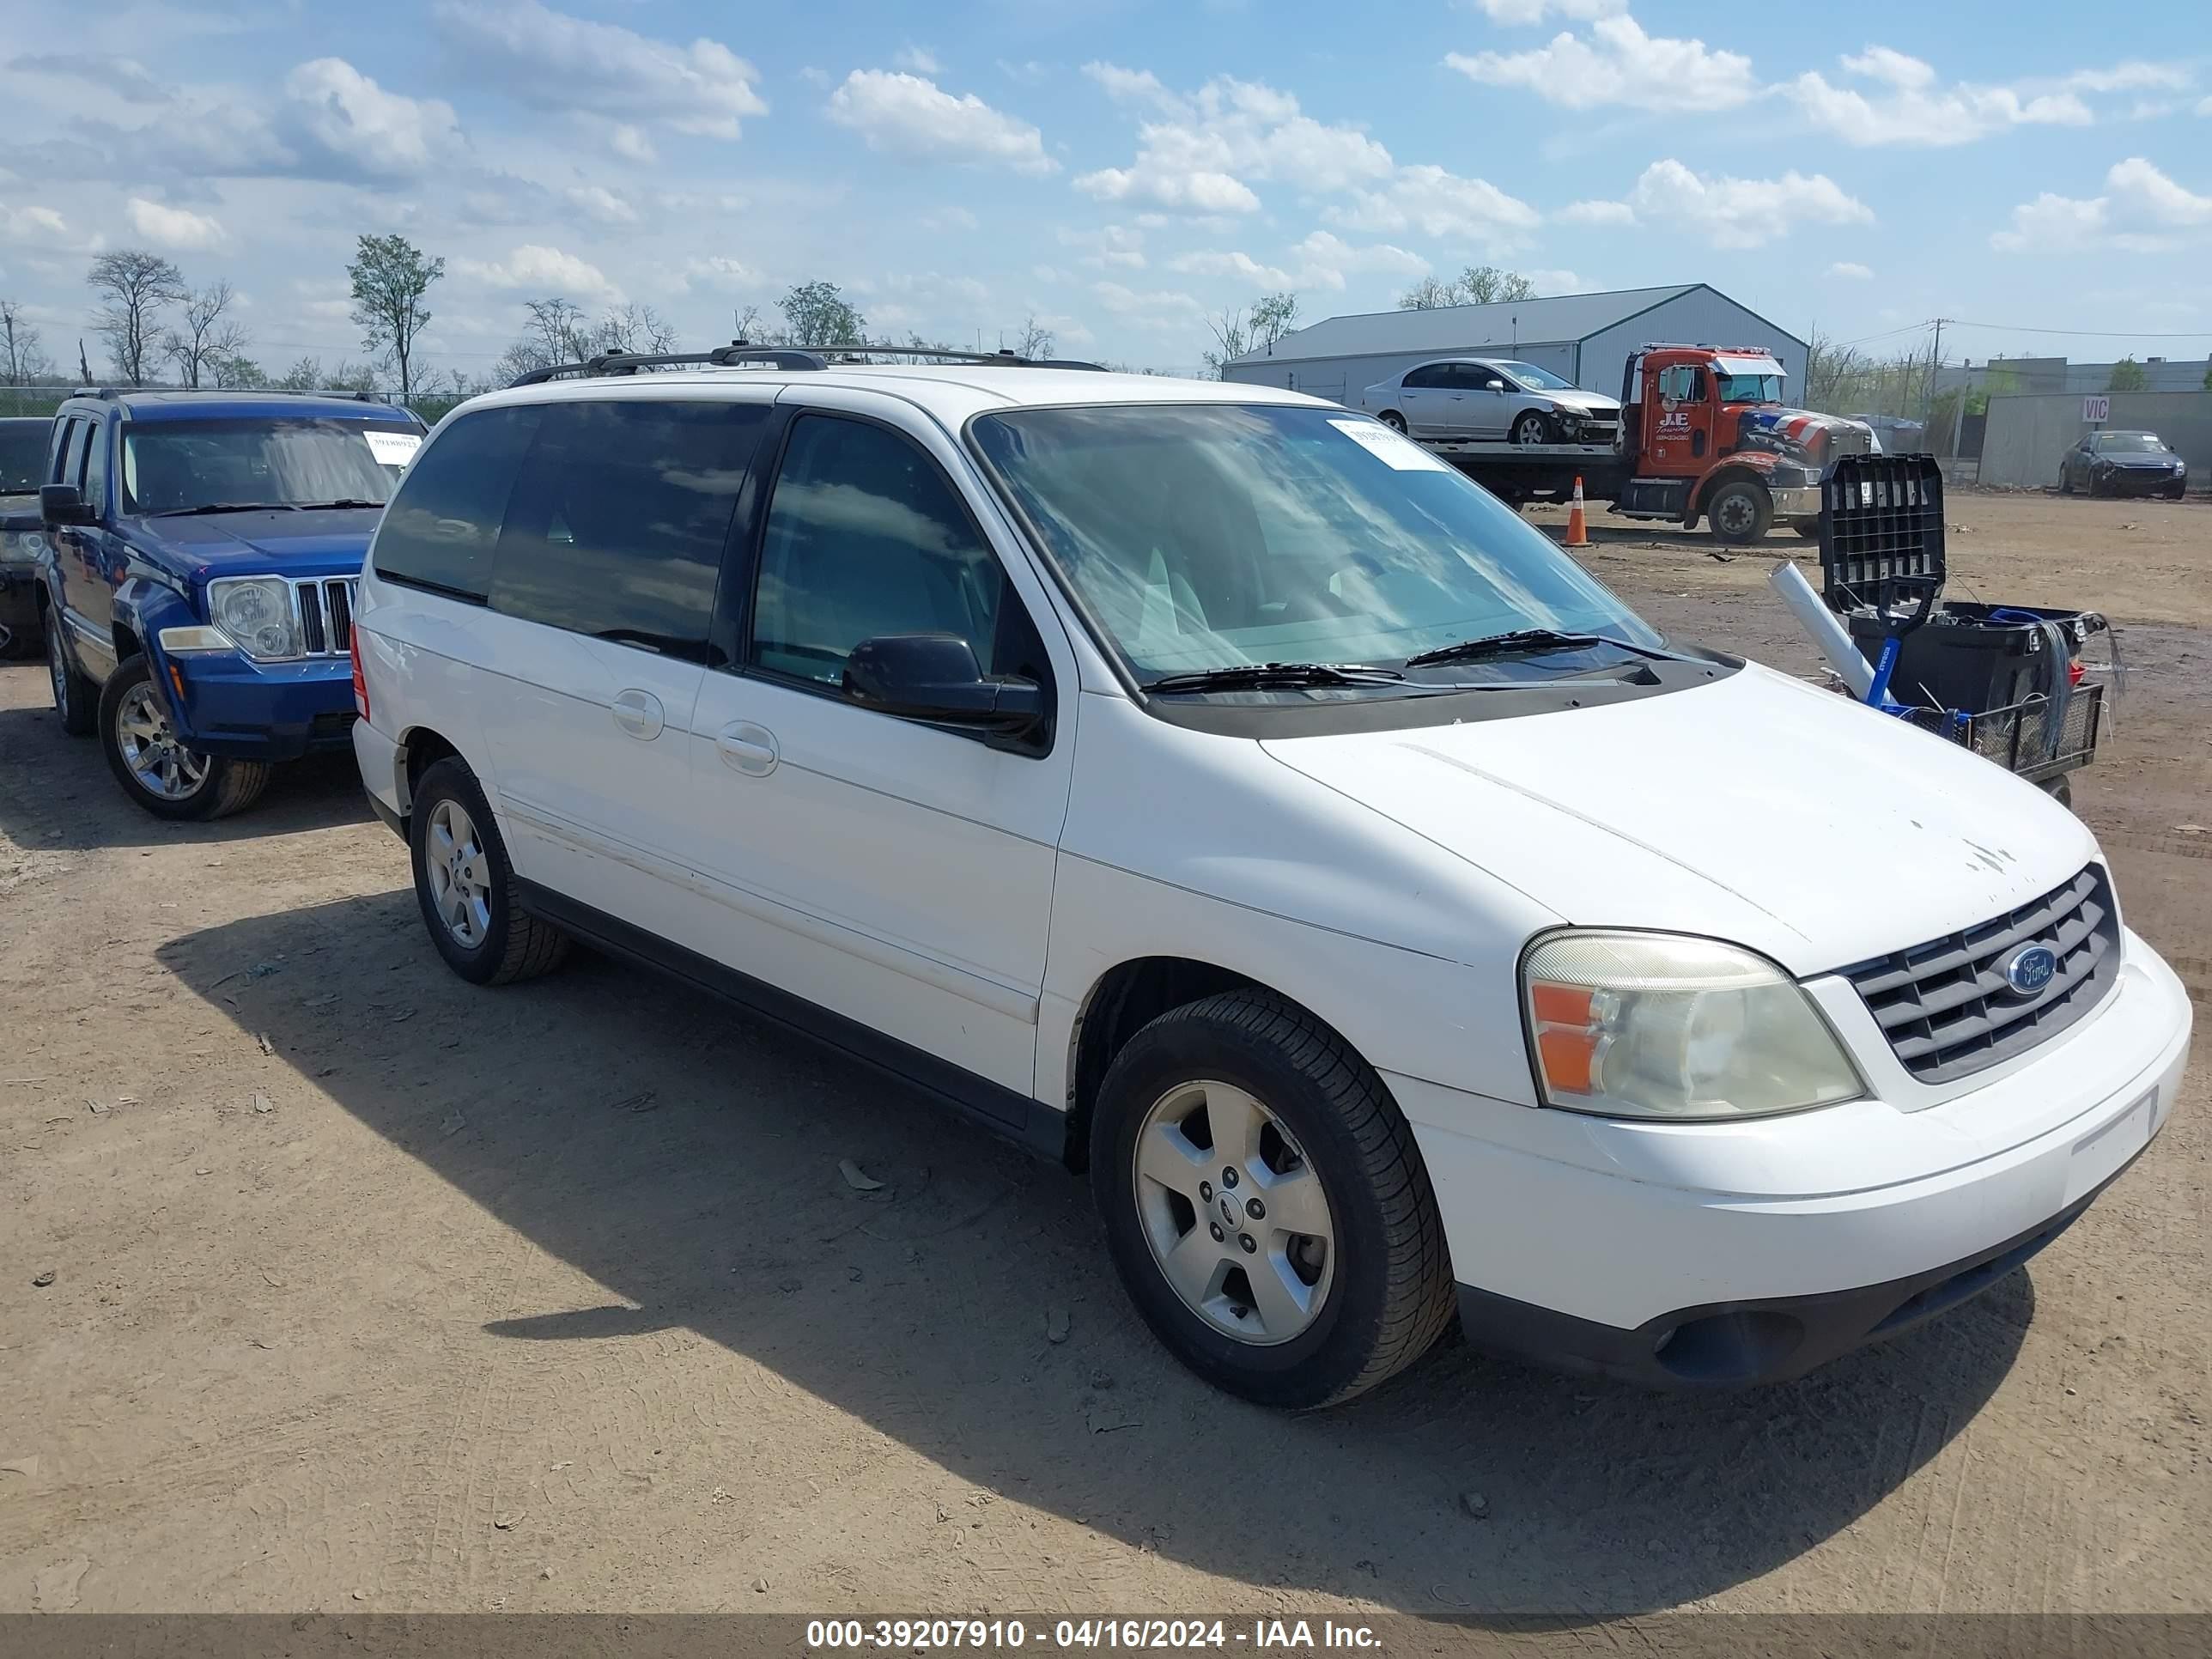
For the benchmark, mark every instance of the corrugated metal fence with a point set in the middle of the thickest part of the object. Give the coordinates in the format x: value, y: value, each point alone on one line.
x: 2027, y: 434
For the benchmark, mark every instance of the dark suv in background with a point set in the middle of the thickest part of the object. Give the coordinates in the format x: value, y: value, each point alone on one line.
x: 203, y: 550
x: 22, y: 468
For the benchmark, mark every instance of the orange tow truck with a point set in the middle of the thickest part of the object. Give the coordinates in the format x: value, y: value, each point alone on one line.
x: 1705, y: 434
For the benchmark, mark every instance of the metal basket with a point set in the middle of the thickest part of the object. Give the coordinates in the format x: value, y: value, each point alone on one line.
x: 2035, y: 738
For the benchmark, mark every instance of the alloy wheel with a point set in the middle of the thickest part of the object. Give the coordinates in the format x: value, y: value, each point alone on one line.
x: 1234, y: 1215
x: 162, y: 766
x: 460, y: 875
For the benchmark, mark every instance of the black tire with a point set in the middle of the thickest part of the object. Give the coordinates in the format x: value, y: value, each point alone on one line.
x: 2065, y: 480
x: 1390, y: 1295
x: 2176, y: 492
x: 228, y: 786
x: 2060, y: 789
x: 1394, y: 420
x: 77, y: 699
x: 1741, y: 512
x: 1534, y: 426
x: 1809, y: 529
x: 515, y: 945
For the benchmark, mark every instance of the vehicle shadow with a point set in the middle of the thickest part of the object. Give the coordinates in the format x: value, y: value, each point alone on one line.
x: 687, y: 1158
x: 57, y: 792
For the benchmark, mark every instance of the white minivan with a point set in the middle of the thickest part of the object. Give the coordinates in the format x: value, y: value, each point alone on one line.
x: 1209, y: 787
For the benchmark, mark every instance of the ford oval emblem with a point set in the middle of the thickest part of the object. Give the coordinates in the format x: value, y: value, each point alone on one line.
x: 2030, y: 969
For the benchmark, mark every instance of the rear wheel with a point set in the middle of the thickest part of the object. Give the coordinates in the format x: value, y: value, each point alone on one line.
x: 1394, y: 420
x: 1533, y: 428
x: 2060, y: 789
x: 466, y: 887
x: 1266, y: 1205
x: 1741, y: 511
x: 154, y: 766
x: 76, y: 700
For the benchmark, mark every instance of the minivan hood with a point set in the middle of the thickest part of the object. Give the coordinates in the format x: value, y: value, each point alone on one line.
x: 320, y: 542
x: 1755, y: 808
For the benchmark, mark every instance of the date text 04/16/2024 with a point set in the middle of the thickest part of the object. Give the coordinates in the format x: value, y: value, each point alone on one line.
x: 1259, y: 1635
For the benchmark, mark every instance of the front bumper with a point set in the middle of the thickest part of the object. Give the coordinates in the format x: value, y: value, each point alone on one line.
x: 276, y: 711
x: 19, y: 601
x: 1796, y: 502
x: 2143, y: 481
x: 1718, y: 1255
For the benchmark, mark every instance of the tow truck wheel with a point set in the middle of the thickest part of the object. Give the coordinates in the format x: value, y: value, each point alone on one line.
x: 1741, y: 512
x: 1533, y: 428
x: 1394, y: 420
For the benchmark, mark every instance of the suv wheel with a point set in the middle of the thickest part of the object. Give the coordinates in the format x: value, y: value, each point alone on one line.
x: 155, y: 769
x: 1266, y: 1205
x: 466, y: 885
x: 75, y: 698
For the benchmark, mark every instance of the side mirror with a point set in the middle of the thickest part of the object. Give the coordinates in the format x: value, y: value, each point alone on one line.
x: 60, y: 504
x: 935, y: 677
x: 1493, y: 385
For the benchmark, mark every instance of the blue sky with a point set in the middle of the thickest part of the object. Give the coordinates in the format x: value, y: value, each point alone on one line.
x: 1123, y: 170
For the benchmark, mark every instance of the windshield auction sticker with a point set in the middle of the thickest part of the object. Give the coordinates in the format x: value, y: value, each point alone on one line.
x: 393, y: 449
x: 1387, y: 446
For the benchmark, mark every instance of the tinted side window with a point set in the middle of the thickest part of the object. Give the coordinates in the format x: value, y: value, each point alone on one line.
x: 864, y: 537
x: 618, y: 522
x: 68, y: 466
x: 1428, y: 375
x: 95, y: 468
x: 440, y: 528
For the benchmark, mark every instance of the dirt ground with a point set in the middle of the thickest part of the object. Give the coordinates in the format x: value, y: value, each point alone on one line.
x: 372, y: 1291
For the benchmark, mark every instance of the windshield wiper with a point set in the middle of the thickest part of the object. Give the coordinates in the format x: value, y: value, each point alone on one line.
x: 309, y: 507
x: 224, y: 507
x: 1261, y: 675
x: 1527, y: 639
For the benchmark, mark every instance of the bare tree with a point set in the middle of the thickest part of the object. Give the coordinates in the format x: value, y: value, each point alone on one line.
x: 389, y: 278
x: 207, y: 335
x: 1478, y: 285
x: 635, y: 327
x: 138, y: 286
x: 1232, y: 335
x: 26, y: 360
x: 304, y: 375
x: 1035, y: 342
x: 749, y: 324
x: 556, y: 330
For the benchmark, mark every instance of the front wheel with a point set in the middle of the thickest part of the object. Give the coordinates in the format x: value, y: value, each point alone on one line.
x: 76, y: 700
x: 466, y: 887
x: 1265, y: 1204
x: 1741, y: 512
x: 154, y: 768
x: 1533, y: 428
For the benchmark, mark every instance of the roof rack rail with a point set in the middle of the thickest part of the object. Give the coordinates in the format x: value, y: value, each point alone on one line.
x: 803, y: 357
x: 110, y: 393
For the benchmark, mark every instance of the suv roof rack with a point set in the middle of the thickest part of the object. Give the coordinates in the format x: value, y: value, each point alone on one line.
x: 804, y: 357
x: 114, y: 393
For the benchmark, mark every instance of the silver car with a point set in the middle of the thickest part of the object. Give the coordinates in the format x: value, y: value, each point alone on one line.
x: 1498, y: 399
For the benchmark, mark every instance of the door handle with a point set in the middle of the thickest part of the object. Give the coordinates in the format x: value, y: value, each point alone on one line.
x: 637, y: 713
x: 747, y: 748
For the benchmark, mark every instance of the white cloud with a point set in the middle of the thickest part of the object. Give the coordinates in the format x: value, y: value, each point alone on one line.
x: 1028, y: 71
x: 721, y: 272
x: 1157, y: 309
x: 631, y: 144
x: 1618, y: 64
x: 168, y: 226
x: 1245, y: 268
x: 1321, y: 261
x: 545, y: 270
x: 1598, y: 213
x: 1109, y: 245
x: 1559, y: 282
x: 1323, y: 249
x: 1512, y: 12
x: 910, y: 116
x: 1909, y: 107
x: 2204, y: 106
x: 549, y: 60
x: 333, y: 107
x: 950, y: 218
x: 920, y: 59
x: 2143, y: 209
x: 1441, y: 206
x: 33, y: 223
x: 602, y: 204
x: 1732, y: 212
x: 1852, y: 271
x: 1200, y: 155
x: 2133, y: 75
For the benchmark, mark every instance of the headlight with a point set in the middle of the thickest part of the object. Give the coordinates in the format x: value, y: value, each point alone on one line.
x: 256, y: 611
x: 1656, y: 1025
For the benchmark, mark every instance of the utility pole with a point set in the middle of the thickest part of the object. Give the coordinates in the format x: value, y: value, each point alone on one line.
x: 1928, y: 392
x: 1958, y: 414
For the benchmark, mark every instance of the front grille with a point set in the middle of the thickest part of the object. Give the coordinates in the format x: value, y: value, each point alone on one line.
x: 1946, y: 1007
x: 324, y: 605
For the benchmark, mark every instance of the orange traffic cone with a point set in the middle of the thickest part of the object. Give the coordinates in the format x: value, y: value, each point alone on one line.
x: 1577, y: 527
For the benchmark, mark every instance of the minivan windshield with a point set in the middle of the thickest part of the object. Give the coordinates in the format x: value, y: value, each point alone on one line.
x: 1537, y: 379
x: 1210, y: 536
x: 202, y: 466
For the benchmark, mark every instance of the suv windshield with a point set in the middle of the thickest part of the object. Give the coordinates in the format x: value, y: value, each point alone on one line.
x: 1535, y: 379
x: 180, y: 466
x: 1750, y: 388
x: 1207, y: 536
x: 2129, y: 443
x: 22, y: 456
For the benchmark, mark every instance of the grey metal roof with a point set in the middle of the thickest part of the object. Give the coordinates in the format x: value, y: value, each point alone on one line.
x: 1562, y: 320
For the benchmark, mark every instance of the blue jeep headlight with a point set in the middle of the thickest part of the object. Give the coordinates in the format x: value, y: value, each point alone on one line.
x: 257, y: 613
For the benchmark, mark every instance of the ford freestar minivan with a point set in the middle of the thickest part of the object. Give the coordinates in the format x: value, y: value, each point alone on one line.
x: 1209, y: 786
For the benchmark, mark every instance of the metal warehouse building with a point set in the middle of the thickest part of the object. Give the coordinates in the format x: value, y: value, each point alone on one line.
x: 1585, y: 337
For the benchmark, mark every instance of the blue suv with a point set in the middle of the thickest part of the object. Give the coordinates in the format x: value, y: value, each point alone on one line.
x: 197, y: 585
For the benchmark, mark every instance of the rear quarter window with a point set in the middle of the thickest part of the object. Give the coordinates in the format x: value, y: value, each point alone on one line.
x: 443, y: 526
